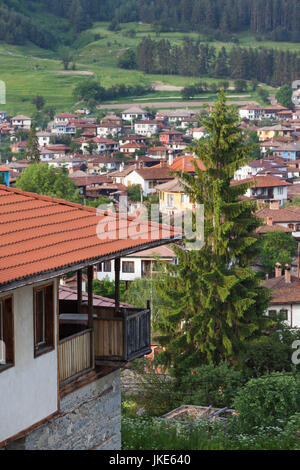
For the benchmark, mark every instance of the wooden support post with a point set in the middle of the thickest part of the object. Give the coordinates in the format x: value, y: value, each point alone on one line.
x: 79, y: 290
x: 117, y: 284
x: 90, y: 272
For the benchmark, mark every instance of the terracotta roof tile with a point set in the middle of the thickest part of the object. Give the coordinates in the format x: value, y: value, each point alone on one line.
x: 40, y: 234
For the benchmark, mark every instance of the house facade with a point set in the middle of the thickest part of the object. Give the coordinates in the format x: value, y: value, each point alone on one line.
x: 59, y: 377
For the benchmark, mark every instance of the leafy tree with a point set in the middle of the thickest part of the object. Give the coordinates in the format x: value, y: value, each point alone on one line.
x: 66, y: 56
x: 276, y: 247
x: 284, y: 96
x: 240, y: 85
x: 32, y: 152
x: 106, y: 288
x: 134, y: 192
x: 267, y: 401
x: 295, y: 202
x: 127, y: 60
x: 42, y: 179
x: 39, y: 102
x: 213, y: 385
x: 91, y: 147
x: 216, y: 301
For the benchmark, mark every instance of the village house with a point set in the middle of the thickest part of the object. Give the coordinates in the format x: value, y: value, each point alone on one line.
x: 269, y: 132
x: 285, y: 296
x: 147, y: 127
x: 266, y: 188
x: 43, y: 138
x: 64, y: 118
x: 61, y: 358
x: 148, y: 178
x: 132, y: 147
x: 134, y: 113
x: 285, y: 217
x: 137, y: 265
x: 172, y: 198
x: 109, y: 128
x: 170, y: 136
x: 21, y: 122
x: 290, y: 151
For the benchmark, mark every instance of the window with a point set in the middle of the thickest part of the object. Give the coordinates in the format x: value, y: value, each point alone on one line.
x: 128, y: 266
x: 43, y: 319
x: 280, y: 190
x: 7, y: 356
x: 106, y: 266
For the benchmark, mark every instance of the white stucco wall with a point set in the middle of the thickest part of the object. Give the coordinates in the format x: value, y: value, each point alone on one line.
x: 29, y: 389
x: 293, y: 313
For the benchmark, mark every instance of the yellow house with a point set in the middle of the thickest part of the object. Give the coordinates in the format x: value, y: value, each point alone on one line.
x: 172, y: 198
x: 266, y: 133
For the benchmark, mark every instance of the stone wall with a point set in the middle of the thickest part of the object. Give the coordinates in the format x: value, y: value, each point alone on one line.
x: 90, y: 418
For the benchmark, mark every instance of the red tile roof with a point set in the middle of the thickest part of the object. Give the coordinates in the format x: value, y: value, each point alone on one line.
x: 39, y: 234
x: 66, y: 293
x: 263, y: 181
x: 283, y: 292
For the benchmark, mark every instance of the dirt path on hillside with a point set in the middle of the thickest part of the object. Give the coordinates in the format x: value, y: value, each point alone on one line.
x: 174, y: 104
x: 74, y: 72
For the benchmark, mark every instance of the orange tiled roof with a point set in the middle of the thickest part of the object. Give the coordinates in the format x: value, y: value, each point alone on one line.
x: 39, y: 234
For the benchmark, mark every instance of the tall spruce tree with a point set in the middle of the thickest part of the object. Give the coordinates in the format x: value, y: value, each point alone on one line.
x: 214, y: 299
x: 32, y: 152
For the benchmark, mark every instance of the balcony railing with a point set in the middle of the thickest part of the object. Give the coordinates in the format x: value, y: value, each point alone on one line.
x: 124, y: 337
x: 75, y: 354
x: 116, y: 337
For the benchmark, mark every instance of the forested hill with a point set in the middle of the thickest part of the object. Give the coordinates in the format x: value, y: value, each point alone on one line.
x: 32, y: 20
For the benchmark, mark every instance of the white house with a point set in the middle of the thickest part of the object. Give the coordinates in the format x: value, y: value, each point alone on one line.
x: 21, y: 122
x: 146, y: 127
x: 148, y: 178
x: 134, y: 113
x: 138, y: 265
x: 266, y: 188
x: 61, y: 358
x: 43, y: 138
x: 285, y: 300
x: 108, y: 128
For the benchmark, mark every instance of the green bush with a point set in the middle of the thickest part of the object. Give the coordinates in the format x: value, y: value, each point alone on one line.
x: 267, y: 401
x: 213, y: 385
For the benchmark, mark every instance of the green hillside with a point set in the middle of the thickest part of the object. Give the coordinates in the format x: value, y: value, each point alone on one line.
x: 29, y: 70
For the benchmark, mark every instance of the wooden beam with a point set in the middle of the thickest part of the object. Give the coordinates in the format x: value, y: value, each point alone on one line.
x: 90, y: 274
x: 79, y: 289
x: 117, y: 284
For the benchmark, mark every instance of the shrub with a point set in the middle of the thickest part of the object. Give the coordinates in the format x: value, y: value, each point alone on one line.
x: 267, y: 401
x: 213, y: 385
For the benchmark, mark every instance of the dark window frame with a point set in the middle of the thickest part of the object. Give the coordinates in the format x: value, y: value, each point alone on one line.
x: 128, y: 263
x: 48, y: 344
x: 7, y: 332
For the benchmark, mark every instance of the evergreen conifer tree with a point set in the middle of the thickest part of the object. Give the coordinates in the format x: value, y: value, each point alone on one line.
x: 214, y: 299
x: 32, y: 152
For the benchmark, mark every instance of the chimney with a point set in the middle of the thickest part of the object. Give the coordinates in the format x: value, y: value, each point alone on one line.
x: 269, y: 220
x: 140, y: 164
x: 163, y: 163
x: 171, y: 158
x: 274, y: 205
x: 287, y: 274
x: 278, y: 270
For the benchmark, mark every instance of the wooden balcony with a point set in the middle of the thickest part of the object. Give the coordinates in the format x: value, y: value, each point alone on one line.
x: 122, y: 337
x: 116, y: 336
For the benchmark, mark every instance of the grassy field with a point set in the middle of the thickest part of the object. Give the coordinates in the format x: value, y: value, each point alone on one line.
x: 28, y: 70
